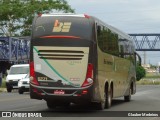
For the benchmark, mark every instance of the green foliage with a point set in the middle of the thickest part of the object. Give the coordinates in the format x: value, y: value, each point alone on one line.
x: 153, y: 66
x: 3, y: 83
x: 16, y: 15
x: 140, y: 72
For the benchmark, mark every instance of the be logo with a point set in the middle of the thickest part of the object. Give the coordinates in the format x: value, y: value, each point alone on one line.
x: 61, y: 26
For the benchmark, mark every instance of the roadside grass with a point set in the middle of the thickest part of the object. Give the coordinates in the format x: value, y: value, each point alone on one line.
x: 3, y: 83
x: 148, y: 82
x: 152, y: 75
x: 150, y: 79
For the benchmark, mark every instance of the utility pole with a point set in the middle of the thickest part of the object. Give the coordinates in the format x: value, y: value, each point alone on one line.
x: 144, y: 57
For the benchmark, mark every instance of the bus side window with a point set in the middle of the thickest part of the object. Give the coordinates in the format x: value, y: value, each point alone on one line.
x: 100, y: 37
x: 110, y: 42
x: 121, y: 51
x: 98, y: 30
x: 107, y: 40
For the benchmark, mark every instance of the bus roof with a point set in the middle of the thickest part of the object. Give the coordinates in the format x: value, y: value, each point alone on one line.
x: 121, y: 33
x: 64, y: 15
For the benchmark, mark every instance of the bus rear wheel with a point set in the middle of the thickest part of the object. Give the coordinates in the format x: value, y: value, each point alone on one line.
x: 109, y: 99
x: 128, y: 97
x: 106, y: 103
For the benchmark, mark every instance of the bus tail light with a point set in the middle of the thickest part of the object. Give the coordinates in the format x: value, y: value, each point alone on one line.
x: 86, y: 16
x: 32, y: 74
x: 89, y: 76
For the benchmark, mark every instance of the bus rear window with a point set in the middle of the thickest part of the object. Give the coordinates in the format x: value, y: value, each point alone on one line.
x: 59, y: 25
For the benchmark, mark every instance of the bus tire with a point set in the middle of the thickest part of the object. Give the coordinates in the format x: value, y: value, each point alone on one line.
x: 128, y: 97
x: 109, y: 99
x: 50, y: 104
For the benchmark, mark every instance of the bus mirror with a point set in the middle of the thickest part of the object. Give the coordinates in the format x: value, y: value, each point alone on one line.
x: 98, y: 29
x: 139, y: 63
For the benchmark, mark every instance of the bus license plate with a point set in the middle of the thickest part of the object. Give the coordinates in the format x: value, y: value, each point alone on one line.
x: 59, y: 92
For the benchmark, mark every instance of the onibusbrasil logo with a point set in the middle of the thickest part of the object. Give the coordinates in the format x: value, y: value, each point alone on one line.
x: 20, y: 114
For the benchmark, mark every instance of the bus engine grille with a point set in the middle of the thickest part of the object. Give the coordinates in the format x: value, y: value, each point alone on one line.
x: 60, y: 54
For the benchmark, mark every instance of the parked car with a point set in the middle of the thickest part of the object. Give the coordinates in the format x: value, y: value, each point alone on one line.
x: 16, y: 73
x: 23, y: 84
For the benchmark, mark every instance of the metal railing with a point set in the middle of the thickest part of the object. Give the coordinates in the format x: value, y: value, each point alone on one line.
x: 14, y: 49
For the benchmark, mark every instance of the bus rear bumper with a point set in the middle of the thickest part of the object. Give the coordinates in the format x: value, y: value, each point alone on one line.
x: 71, y: 95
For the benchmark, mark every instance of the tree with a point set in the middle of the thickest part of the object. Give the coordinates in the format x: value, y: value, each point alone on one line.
x: 153, y: 66
x: 140, y: 72
x: 16, y: 15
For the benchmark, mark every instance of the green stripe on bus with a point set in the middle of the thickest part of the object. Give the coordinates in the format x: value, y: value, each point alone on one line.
x: 53, y: 68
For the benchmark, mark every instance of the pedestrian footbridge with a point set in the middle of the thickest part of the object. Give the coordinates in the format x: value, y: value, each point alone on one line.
x: 14, y: 49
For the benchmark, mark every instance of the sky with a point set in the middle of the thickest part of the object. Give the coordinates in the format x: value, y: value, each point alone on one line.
x: 130, y: 16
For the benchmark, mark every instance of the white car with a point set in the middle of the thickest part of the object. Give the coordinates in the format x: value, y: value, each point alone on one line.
x: 16, y: 73
x: 23, y: 85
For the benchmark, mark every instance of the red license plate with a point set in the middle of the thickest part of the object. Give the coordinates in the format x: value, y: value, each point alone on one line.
x: 59, y: 92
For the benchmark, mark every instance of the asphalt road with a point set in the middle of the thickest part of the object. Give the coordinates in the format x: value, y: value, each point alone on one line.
x: 147, y: 98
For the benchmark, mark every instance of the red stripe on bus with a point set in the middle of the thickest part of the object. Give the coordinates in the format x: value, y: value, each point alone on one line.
x: 57, y: 36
